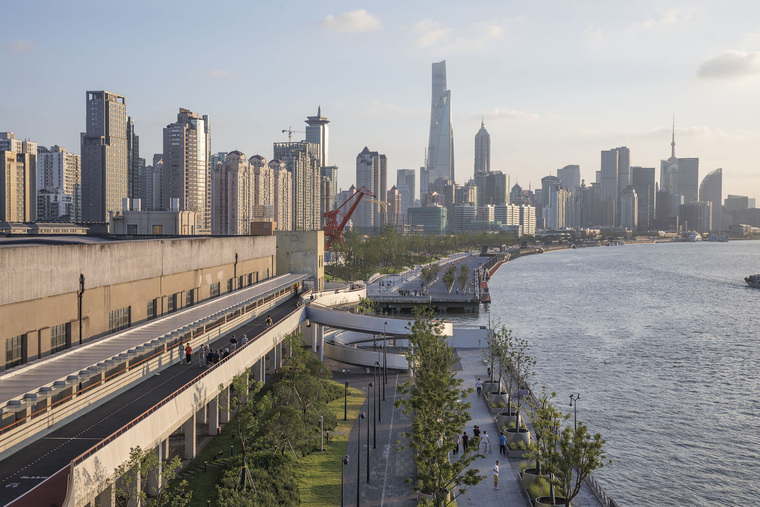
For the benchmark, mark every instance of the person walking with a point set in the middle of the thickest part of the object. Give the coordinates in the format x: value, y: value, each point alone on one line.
x: 245, y: 339
x: 465, y: 439
x: 479, y: 386
x: 496, y: 475
x: 202, y: 356
x: 502, y: 444
x: 233, y: 343
x: 189, y: 353
x: 180, y: 351
x: 486, y: 442
x: 268, y: 322
x: 476, y: 431
x: 457, y: 439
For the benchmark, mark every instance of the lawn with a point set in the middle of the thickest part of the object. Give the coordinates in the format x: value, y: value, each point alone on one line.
x: 318, y: 474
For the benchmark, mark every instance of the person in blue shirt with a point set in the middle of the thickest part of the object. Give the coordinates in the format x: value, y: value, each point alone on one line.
x: 502, y: 444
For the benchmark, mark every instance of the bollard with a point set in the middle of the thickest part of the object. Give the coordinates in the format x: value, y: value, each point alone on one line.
x: 205, y: 466
x: 232, y: 450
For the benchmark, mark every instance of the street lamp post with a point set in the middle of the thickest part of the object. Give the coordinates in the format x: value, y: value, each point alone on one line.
x: 359, y: 460
x: 342, y: 474
x: 345, y: 393
x: 574, y: 403
x: 372, y: 385
x: 378, y: 407
x: 385, y: 359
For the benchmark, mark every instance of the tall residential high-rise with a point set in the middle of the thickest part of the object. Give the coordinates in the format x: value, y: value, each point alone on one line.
x: 711, y: 190
x: 642, y: 180
x: 301, y: 159
x: 570, y: 176
x: 371, y: 172
x: 318, y: 132
x: 424, y: 182
x: 59, y: 175
x: 493, y: 188
x: 105, y: 170
x: 615, y: 162
x: 688, y: 179
x: 187, y: 168
x: 330, y: 172
x: 231, y: 201
x: 18, y: 179
x: 281, y: 190
x: 406, y: 178
x: 134, y: 190
x: 482, y: 150
x: 440, y: 154
x: 629, y: 208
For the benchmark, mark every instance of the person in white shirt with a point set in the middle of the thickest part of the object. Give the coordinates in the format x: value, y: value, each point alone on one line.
x: 496, y: 476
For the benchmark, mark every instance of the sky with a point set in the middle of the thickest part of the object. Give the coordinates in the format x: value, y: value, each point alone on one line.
x: 554, y: 81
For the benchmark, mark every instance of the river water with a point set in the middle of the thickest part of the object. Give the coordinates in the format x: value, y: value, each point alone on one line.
x: 662, y: 342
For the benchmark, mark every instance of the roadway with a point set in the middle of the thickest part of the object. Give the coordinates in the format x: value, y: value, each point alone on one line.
x: 29, y: 467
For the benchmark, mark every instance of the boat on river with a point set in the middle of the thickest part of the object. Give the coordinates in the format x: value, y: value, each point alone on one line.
x: 694, y: 236
x: 753, y: 281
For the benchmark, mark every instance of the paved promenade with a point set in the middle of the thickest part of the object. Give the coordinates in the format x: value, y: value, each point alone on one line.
x: 389, y: 467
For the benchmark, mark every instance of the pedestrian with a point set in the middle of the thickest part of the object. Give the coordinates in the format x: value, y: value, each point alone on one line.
x: 486, y: 442
x: 502, y: 444
x: 233, y: 343
x: 216, y: 357
x: 226, y: 352
x: 201, y: 356
x: 465, y: 439
x: 457, y: 439
x: 209, y: 356
x: 189, y: 353
x: 479, y: 386
x: 245, y: 339
x: 180, y: 352
x: 476, y: 431
x: 268, y: 322
x: 496, y: 475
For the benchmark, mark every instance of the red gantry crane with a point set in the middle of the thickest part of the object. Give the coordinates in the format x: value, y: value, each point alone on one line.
x: 333, y: 229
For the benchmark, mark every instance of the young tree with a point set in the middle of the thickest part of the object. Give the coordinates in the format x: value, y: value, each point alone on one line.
x: 126, y: 485
x: 579, y: 453
x: 522, y: 369
x: 449, y: 277
x: 547, y: 421
x: 434, y: 401
x: 462, y: 277
x: 504, y: 345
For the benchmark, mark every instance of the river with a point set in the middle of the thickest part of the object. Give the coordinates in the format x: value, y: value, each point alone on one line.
x: 661, y: 342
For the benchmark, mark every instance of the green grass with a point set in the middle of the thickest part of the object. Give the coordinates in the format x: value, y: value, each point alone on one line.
x: 318, y: 474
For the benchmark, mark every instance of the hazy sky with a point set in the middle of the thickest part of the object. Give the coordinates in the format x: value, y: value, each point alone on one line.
x: 556, y: 81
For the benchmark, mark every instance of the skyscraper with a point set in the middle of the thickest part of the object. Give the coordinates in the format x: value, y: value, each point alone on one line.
x: 688, y: 179
x: 406, y: 178
x: 59, y: 175
x: 104, y: 156
x: 642, y: 180
x: 232, y: 202
x: 302, y: 160
x: 711, y: 190
x: 134, y: 190
x: 482, y: 150
x: 616, y: 167
x: 18, y: 175
x: 371, y: 172
x: 570, y: 176
x: 187, y: 168
x: 440, y: 155
x: 318, y: 132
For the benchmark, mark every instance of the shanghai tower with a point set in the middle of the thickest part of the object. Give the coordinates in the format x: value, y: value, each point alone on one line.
x: 440, y: 155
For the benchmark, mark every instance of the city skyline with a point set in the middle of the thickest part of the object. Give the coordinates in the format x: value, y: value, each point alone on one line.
x: 598, y: 80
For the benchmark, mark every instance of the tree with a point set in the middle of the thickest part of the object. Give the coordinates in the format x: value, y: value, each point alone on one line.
x: 428, y: 275
x: 463, y: 276
x: 522, y: 370
x: 547, y: 421
x: 126, y: 485
x: 579, y: 453
x: 504, y: 345
x: 449, y: 277
x: 491, y: 352
x: 434, y: 401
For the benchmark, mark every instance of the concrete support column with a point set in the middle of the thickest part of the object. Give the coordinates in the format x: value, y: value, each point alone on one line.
x: 200, y: 416
x: 135, y: 486
x: 164, y: 445
x: 278, y: 355
x: 273, y: 360
x: 106, y: 498
x: 321, y: 337
x: 257, y: 370
x: 154, y: 475
x: 213, y: 416
x: 224, y: 405
x: 188, y: 429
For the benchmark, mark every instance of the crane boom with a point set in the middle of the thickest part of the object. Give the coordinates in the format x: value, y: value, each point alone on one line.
x: 334, y: 229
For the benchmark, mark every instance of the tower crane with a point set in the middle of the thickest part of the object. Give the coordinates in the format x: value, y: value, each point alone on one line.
x: 333, y: 228
x: 290, y: 132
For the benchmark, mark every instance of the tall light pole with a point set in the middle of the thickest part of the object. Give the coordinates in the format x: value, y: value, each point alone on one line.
x: 374, y: 419
x: 574, y: 403
x: 342, y: 474
x: 359, y: 460
x: 379, y: 406
x: 345, y: 393
x: 372, y: 385
x: 385, y: 360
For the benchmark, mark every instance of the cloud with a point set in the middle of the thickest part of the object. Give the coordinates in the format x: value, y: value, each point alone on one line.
x: 501, y: 114
x: 731, y: 65
x: 219, y: 74
x: 20, y: 46
x: 475, y: 37
x: 430, y: 32
x: 666, y: 18
x: 358, y: 21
